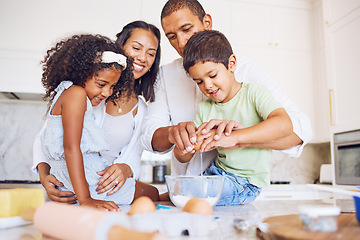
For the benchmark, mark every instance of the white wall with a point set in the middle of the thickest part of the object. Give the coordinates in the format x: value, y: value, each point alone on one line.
x: 29, y: 28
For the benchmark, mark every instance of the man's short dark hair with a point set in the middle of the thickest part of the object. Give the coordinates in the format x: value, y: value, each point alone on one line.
x: 207, y: 46
x: 172, y: 6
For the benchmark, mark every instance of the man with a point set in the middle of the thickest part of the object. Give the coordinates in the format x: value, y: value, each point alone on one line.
x: 177, y: 95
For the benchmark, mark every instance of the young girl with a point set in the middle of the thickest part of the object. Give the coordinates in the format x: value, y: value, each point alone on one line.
x: 81, y: 72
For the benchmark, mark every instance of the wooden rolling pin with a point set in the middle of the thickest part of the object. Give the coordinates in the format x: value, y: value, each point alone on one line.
x: 68, y: 222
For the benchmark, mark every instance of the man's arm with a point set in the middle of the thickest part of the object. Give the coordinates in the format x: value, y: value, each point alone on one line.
x: 160, y: 140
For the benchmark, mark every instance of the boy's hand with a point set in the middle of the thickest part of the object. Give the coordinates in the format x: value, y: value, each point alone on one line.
x: 221, y: 126
x: 100, y: 204
x: 208, y: 142
x: 227, y: 142
x: 204, y: 139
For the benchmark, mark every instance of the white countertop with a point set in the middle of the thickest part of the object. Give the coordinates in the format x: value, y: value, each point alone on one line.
x: 273, y: 201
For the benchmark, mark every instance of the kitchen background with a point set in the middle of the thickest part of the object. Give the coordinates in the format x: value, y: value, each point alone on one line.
x: 311, y: 46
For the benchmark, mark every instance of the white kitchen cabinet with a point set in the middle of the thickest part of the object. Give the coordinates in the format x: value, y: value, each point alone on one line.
x: 335, y: 10
x: 342, y: 38
x: 280, y: 36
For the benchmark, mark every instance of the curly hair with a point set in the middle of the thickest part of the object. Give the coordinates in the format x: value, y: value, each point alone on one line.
x: 77, y: 58
x: 144, y: 85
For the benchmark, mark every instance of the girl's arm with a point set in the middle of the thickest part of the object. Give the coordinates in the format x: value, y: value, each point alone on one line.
x: 73, y: 107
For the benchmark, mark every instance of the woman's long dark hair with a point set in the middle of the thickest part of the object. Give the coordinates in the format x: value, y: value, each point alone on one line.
x: 145, y: 85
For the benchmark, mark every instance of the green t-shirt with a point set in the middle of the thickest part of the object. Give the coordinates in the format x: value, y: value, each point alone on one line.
x: 250, y: 106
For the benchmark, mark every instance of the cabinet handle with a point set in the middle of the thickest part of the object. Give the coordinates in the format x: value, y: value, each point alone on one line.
x: 331, y: 91
x: 276, y: 44
x: 269, y: 43
x: 326, y: 22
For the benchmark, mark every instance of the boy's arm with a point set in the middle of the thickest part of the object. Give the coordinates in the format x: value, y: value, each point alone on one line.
x: 280, y: 144
x: 277, y: 126
x: 250, y: 71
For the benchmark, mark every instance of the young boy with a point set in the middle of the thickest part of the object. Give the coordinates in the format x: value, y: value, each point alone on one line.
x: 253, y: 113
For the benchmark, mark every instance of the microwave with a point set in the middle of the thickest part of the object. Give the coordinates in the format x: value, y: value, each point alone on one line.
x: 346, y: 149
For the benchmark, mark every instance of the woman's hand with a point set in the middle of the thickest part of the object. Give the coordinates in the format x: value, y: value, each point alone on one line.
x: 113, y: 176
x: 100, y: 204
x: 49, y: 182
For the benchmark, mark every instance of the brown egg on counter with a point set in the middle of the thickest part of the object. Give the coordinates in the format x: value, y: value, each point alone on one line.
x: 198, y: 206
x: 142, y: 205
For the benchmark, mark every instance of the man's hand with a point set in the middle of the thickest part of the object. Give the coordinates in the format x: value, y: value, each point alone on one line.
x: 183, y: 135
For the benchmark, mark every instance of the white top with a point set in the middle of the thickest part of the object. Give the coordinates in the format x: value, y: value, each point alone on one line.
x: 130, y: 153
x: 177, y: 97
x: 114, y: 127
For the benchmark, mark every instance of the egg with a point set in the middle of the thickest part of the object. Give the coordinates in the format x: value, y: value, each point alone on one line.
x: 142, y: 205
x: 198, y: 206
x: 197, y: 147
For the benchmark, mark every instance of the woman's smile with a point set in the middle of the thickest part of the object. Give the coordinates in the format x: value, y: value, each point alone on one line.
x: 137, y: 67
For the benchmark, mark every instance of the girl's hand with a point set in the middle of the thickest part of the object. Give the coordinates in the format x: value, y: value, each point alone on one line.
x: 221, y: 126
x: 49, y: 183
x: 113, y: 176
x: 100, y: 204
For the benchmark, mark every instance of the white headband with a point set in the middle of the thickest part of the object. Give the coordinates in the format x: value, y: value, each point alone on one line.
x: 110, y: 57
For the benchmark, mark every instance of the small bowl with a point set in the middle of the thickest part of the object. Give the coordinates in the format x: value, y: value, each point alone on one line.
x: 182, y: 188
x: 322, y: 218
x: 357, y: 207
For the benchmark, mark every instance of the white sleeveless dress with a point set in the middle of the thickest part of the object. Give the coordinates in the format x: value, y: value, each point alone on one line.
x: 92, y: 142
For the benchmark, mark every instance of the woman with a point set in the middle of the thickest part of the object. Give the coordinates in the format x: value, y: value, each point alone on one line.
x: 121, y: 119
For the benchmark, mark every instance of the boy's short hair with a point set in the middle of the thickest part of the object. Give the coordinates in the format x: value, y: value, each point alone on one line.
x: 205, y: 46
x: 172, y: 6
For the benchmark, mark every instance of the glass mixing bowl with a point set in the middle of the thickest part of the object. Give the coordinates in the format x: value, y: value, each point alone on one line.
x: 182, y: 188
